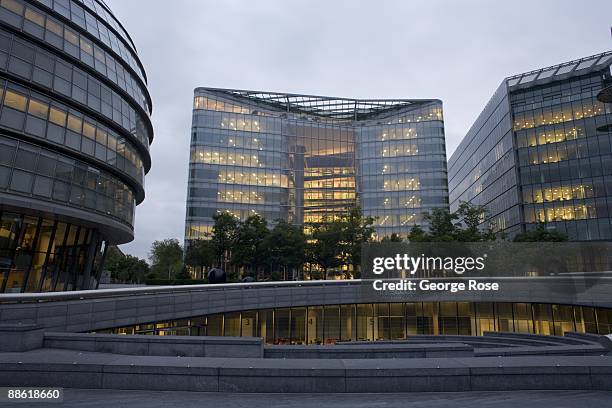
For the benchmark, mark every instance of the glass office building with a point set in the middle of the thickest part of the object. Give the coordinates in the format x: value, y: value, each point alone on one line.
x: 330, y: 324
x: 539, y: 152
x: 75, y: 130
x: 304, y: 159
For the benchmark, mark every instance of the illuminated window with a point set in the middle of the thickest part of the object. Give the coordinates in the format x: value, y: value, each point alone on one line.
x: 15, y: 101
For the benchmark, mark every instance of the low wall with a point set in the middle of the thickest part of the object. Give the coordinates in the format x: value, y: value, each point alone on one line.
x: 63, y: 368
x: 372, y: 350
x: 83, y: 311
x: 192, y: 346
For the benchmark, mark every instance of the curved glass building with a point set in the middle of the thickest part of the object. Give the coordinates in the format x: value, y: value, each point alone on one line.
x: 304, y: 158
x: 75, y: 130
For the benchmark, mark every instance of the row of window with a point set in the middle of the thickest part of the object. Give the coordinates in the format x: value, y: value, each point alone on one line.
x: 580, y: 230
x: 384, y: 321
x: 560, y: 89
x: 401, y: 165
x: 102, y: 13
x: 573, y: 149
x: 551, y: 212
x: 275, y: 125
x: 491, y: 125
x: 550, y: 134
x: 431, y: 112
x: 400, y: 182
x: 54, y: 73
x: 38, y: 254
x: 35, y: 22
x: 38, y: 116
x: 486, y: 157
x: 30, y: 170
x: 242, y: 212
x: 268, y: 142
x: 566, y: 170
x: 89, y: 23
x: 577, y: 189
x: 578, y: 110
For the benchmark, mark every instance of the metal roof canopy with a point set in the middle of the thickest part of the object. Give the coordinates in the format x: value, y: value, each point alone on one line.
x: 320, y: 106
x: 560, y: 71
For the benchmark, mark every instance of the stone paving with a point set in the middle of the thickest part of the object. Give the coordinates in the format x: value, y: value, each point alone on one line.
x: 148, y: 399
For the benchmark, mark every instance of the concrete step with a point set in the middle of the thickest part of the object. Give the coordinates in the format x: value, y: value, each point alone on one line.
x: 371, y: 350
x: 75, y: 369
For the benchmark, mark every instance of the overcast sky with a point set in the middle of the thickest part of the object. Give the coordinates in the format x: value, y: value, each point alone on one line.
x: 457, y: 51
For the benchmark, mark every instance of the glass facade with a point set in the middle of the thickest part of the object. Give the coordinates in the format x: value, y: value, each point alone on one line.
x: 305, y: 158
x: 75, y: 131
x: 539, y: 153
x: 384, y: 321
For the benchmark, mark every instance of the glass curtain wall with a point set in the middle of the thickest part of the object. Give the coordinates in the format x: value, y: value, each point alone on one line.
x: 387, y: 321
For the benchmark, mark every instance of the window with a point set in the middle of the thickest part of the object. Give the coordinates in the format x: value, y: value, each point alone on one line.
x: 38, y: 109
x: 74, y: 123
x: 13, y: 6
x: 71, y: 36
x: 58, y: 117
x: 54, y: 27
x: 89, y: 130
x: 35, y: 17
x: 15, y: 101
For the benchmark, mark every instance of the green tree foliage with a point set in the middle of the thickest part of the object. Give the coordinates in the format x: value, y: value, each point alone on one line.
x: 417, y: 234
x: 441, y: 225
x: 200, y: 254
x: 356, y: 230
x: 285, y: 246
x: 470, y: 217
x: 224, y: 235
x: 394, y: 237
x: 459, y: 226
x: 125, y: 268
x: 166, y: 258
x: 249, y: 237
x: 541, y: 234
x: 325, y: 248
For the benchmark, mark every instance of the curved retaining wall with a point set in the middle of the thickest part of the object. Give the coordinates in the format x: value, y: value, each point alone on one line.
x: 81, y: 311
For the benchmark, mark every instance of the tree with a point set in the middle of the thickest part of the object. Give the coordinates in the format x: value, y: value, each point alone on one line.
x: 247, y: 250
x: 224, y: 233
x: 461, y: 226
x: 325, y: 248
x: 356, y: 230
x: 540, y: 234
x: 285, y: 245
x: 125, y: 268
x: 166, y: 257
x: 417, y: 234
x: 137, y: 269
x: 441, y: 225
x: 470, y: 217
x: 200, y: 254
x: 393, y: 237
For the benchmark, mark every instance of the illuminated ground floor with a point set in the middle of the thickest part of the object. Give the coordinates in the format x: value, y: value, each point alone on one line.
x: 384, y: 321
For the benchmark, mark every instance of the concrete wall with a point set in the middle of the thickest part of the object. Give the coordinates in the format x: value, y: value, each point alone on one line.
x: 233, y: 347
x: 82, y: 311
x: 63, y: 368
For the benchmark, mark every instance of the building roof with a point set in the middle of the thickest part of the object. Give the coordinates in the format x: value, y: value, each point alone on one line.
x: 560, y: 71
x: 322, y: 106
